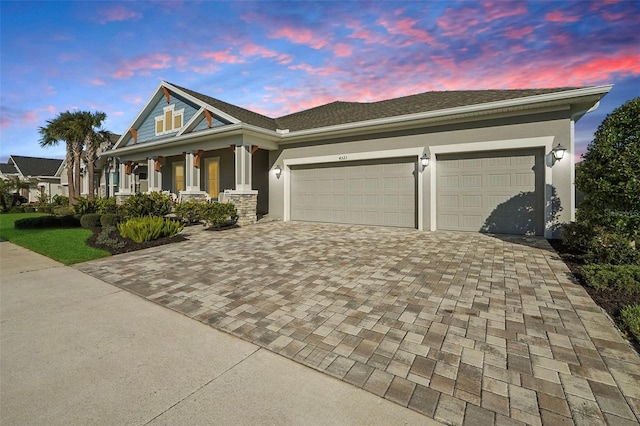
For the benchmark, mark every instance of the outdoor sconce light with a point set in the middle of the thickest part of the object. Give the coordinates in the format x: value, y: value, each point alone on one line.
x: 278, y: 171
x: 558, y: 152
x: 424, y: 160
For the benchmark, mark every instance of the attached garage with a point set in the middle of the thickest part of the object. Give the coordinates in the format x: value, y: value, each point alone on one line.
x: 497, y: 192
x: 372, y: 192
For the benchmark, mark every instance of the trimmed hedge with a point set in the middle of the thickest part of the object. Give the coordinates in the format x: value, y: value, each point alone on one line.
x: 623, y: 277
x: 63, y: 210
x: 90, y: 220
x: 47, y: 222
x: 29, y: 209
x: 190, y: 211
x: 218, y: 215
x: 109, y: 219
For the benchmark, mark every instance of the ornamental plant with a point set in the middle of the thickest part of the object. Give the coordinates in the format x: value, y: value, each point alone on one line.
x: 149, y: 228
x: 153, y: 204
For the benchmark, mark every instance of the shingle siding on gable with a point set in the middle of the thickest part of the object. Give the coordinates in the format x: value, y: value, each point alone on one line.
x: 147, y: 131
x: 203, y: 125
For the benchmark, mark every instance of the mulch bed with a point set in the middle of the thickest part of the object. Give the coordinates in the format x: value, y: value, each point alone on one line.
x: 129, y: 244
x: 611, y: 300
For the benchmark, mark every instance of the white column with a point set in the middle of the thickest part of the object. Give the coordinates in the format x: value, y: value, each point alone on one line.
x: 191, y: 174
x: 154, y: 179
x: 243, y: 168
x: 124, y: 183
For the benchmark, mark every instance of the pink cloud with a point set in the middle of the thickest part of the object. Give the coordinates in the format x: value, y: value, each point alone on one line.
x: 98, y: 82
x: 406, y: 27
x: 499, y: 9
x: 132, y: 99
x: 223, y: 56
x: 342, y: 49
x: 559, y: 16
x: 142, y: 64
x: 300, y: 36
x: 251, y: 49
x: 285, y: 58
x: 518, y: 33
x: 29, y: 117
x: 117, y: 13
x: 459, y: 22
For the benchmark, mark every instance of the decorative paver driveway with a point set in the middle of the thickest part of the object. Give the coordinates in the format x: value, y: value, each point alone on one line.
x: 465, y: 328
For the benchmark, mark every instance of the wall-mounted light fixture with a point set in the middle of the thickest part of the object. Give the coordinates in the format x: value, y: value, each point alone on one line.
x: 278, y: 171
x: 558, y: 152
x: 424, y: 160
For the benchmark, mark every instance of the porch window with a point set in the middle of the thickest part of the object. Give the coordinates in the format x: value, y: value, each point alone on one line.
x: 170, y: 121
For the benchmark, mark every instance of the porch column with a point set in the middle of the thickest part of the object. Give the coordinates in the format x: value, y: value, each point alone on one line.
x: 243, y: 167
x: 243, y: 197
x: 191, y: 174
x: 124, y: 185
x: 154, y: 178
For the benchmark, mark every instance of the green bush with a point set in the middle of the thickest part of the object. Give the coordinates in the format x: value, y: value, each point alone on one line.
x: 46, y: 222
x: 45, y: 209
x: 148, y: 228
x: 108, y: 237
x: 86, y: 205
x: 29, y: 209
x: 631, y: 319
x: 612, y: 248
x: 622, y: 277
x: 153, y: 204
x: 90, y: 220
x: 190, y: 211
x: 106, y: 205
x: 217, y: 215
x: 63, y: 210
x: 60, y: 200
x: 109, y: 219
x: 16, y: 209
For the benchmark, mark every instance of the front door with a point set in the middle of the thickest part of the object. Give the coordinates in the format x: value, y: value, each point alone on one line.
x: 213, y: 177
x: 178, y: 177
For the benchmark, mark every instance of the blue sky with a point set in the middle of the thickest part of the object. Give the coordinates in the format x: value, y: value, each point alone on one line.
x: 280, y: 57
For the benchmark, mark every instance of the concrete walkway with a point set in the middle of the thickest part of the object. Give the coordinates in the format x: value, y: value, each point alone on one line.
x: 465, y: 328
x: 77, y: 351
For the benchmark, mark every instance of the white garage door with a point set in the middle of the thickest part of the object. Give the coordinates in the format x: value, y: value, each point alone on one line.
x: 499, y: 192
x: 380, y: 192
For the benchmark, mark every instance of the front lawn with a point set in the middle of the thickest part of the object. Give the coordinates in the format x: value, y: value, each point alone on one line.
x: 66, y: 245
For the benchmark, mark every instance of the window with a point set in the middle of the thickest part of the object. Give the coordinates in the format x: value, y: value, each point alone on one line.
x: 178, y: 177
x: 170, y: 121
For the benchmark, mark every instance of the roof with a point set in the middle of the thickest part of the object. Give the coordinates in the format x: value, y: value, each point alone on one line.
x: 340, y: 112
x: 8, y: 169
x: 35, y: 166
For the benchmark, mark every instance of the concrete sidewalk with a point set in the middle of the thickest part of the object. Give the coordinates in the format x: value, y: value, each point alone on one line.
x: 77, y: 351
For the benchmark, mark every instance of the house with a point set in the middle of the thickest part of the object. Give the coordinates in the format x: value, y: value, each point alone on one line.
x: 477, y: 160
x: 43, y: 172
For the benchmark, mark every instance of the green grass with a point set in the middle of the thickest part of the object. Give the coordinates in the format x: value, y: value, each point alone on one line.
x: 66, y: 245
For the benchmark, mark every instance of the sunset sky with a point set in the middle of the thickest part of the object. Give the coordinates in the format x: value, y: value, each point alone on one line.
x: 281, y: 57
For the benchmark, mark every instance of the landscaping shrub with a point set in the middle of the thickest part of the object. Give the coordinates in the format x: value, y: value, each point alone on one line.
x: 148, y: 228
x: 16, y: 209
x: 153, y: 204
x: 60, y: 200
x: 106, y: 205
x: 70, y: 221
x: 622, y: 277
x: 63, y: 210
x: 631, y: 319
x: 612, y: 248
x: 46, y: 222
x: 107, y: 237
x: 45, y: 209
x: 218, y: 215
x: 109, y: 219
x: 85, y: 205
x: 90, y: 220
x: 29, y: 209
x: 190, y: 211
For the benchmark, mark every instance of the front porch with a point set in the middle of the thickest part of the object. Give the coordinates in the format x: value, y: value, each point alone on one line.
x: 235, y: 173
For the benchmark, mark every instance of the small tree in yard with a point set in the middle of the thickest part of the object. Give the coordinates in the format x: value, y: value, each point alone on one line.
x: 608, y: 220
x: 609, y: 176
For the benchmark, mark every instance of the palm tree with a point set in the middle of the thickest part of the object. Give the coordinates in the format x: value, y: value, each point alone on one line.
x: 61, y: 129
x: 94, y: 141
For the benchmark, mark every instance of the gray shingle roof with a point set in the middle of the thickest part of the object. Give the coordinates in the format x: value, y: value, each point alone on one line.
x: 35, y: 166
x: 340, y: 112
x: 8, y: 169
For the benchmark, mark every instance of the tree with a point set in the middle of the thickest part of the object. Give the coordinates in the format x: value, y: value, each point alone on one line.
x: 609, y: 176
x: 77, y: 129
x: 10, y: 186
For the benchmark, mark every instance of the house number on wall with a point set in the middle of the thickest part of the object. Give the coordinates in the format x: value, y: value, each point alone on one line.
x: 342, y: 157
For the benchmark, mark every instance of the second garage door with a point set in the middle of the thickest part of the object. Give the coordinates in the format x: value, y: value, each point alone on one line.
x: 364, y: 192
x: 498, y: 192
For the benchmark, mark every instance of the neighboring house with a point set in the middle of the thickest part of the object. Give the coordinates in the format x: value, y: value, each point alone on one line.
x: 479, y: 160
x: 43, y: 172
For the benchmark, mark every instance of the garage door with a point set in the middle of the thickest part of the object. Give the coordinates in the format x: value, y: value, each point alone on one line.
x: 364, y: 192
x: 496, y: 192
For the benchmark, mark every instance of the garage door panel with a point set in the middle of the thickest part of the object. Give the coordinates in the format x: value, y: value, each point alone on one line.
x: 380, y: 192
x: 499, y: 192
